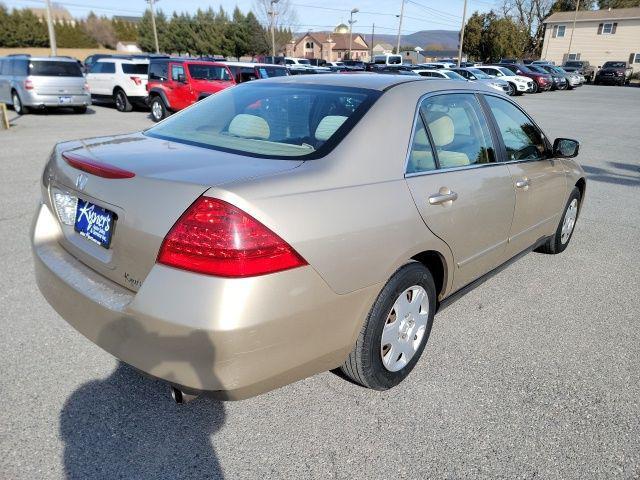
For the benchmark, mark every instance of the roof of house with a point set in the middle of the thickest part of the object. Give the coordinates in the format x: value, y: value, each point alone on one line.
x: 341, y: 40
x: 594, y: 15
x: 384, y: 46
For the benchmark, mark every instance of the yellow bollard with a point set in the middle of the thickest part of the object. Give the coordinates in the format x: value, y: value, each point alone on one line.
x: 4, y: 118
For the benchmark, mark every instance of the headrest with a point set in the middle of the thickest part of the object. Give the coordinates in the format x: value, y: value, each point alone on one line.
x: 442, y: 131
x: 249, y: 126
x: 328, y: 126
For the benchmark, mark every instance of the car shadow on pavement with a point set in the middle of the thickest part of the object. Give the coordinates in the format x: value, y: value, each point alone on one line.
x: 612, y: 176
x: 127, y: 426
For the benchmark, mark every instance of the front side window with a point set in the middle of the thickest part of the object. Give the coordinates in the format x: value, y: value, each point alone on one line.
x: 521, y: 138
x: 177, y: 73
x: 558, y: 31
x: 270, y: 120
x: 458, y: 129
x: 158, y: 71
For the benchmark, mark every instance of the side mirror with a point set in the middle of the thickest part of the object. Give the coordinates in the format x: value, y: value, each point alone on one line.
x: 182, y: 78
x: 565, y: 148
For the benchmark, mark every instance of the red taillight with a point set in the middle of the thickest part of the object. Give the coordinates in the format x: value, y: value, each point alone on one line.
x: 136, y: 80
x: 28, y: 84
x: 94, y: 167
x: 216, y: 238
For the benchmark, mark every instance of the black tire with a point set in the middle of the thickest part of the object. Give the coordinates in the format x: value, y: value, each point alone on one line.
x: 512, y: 90
x: 364, y: 364
x: 80, y: 109
x: 158, y: 108
x: 122, y: 101
x: 18, y: 107
x: 554, y: 244
x: 536, y: 89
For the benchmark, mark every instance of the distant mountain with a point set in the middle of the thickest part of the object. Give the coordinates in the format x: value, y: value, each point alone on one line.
x: 447, y: 38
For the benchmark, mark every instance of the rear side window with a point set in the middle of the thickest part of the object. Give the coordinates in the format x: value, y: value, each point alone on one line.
x: 270, y: 120
x: 421, y: 157
x: 135, y: 68
x: 49, y: 68
x: 268, y: 72
x: 20, y: 68
x: 521, y: 138
x: 158, y: 71
x: 458, y: 129
x: 3, y: 62
x: 208, y: 72
x: 108, y: 67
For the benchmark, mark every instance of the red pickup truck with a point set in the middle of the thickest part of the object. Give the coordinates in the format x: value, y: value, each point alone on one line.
x: 176, y: 83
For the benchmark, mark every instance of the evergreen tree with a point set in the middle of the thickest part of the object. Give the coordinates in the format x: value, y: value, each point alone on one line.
x: 73, y: 35
x: 145, y: 33
x: 4, y: 26
x: 124, y: 31
x: 238, y: 34
x: 257, y: 44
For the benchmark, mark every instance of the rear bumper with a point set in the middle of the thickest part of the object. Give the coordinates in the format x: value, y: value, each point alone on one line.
x: 32, y: 99
x: 228, y: 338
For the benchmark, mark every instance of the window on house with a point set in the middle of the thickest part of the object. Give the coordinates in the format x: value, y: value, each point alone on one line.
x: 558, y: 31
x: 637, y: 58
x: 607, y: 28
x: 574, y: 56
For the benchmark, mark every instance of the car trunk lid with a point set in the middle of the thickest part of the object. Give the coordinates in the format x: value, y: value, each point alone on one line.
x: 166, y: 178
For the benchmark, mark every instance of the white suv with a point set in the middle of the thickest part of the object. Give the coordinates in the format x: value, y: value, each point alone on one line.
x: 122, y: 81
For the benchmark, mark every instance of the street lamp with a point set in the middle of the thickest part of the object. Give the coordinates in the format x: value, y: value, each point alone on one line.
x: 273, y: 14
x: 351, y: 22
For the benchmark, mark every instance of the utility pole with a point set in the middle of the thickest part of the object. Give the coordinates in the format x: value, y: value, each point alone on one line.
x: 464, y: 20
x: 575, y: 16
x: 351, y: 22
x: 52, y: 31
x: 400, y: 26
x: 153, y: 24
x: 373, y: 32
x: 273, y: 14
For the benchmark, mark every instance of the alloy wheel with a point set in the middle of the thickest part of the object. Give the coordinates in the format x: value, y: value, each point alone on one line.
x: 404, y: 329
x: 569, y: 221
x: 156, y: 110
x: 17, y: 104
x: 120, y: 101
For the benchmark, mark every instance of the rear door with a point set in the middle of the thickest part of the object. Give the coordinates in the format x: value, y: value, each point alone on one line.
x: 538, y: 179
x: 464, y: 195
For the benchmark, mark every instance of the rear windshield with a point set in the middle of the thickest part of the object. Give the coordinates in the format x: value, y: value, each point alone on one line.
x: 208, y: 72
x: 614, y: 65
x: 269, y: 120
x: 135, y: 68
x: 49, y: 68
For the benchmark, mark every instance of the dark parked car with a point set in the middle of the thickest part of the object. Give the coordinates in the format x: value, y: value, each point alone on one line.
x: 559, y: 82
x: 354, y: 64
x: 580, y: 66
x: 541, y: 81
x: 618, y: 73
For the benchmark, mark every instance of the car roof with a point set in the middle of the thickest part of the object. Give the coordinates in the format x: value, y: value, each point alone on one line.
x: 373, y: 81
x: 143, y: 61
x: 251, y: 64
x: 42, y: 59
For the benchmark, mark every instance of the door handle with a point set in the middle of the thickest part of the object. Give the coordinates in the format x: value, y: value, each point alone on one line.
x: 522, y: 183
x: 445, y: 195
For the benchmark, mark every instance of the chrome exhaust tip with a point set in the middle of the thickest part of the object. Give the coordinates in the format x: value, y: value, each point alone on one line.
x: 181, y: 397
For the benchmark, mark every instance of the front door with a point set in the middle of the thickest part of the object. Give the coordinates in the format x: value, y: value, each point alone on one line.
x: 464, y: 196
x: 181, y: 94
x: 538, y: 179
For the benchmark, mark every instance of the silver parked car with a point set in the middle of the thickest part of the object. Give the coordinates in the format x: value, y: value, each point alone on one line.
x: 39, y: 82
x: 477, y: 75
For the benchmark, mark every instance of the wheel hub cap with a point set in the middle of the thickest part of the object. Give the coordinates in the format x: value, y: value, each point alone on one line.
x: 404, y: 329
x: 569, y: 221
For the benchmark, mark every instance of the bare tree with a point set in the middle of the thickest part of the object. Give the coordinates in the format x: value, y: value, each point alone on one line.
x: 529, y: 14
x: 285, y: 19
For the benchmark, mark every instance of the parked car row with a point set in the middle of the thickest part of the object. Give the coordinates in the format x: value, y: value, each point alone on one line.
x: 166, y: 84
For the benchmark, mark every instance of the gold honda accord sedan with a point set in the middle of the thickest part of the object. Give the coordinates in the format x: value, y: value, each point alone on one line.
x: 296, y: 225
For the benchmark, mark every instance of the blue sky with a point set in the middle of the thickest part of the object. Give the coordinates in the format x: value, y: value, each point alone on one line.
x: 311, y: 14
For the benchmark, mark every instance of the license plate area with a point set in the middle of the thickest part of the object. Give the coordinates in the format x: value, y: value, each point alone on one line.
x: 64, y: 100
x: 94, y: 223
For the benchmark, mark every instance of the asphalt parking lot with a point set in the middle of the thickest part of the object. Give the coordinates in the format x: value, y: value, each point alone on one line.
x: 536, y: 374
